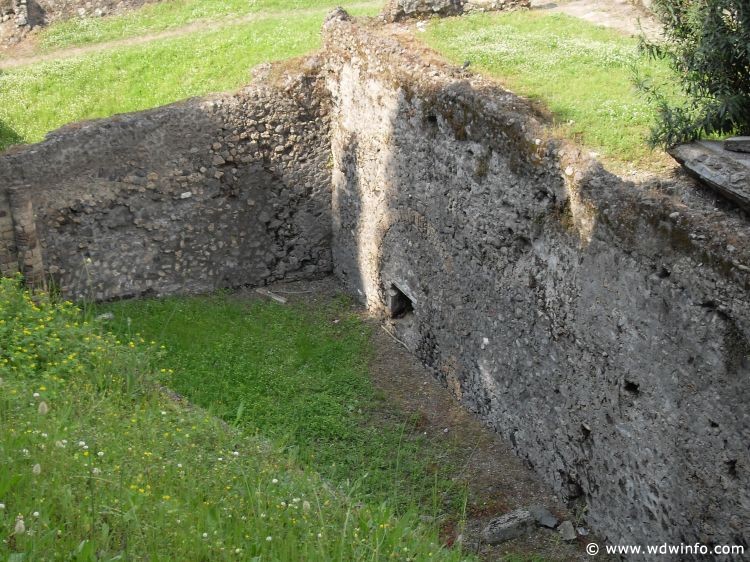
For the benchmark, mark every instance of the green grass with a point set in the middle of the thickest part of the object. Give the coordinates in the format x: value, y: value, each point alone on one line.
x: 300, y: 375
x: 97, y: 464
x: 582, y: 73
x: 166, y: 15
x: 39, y: 98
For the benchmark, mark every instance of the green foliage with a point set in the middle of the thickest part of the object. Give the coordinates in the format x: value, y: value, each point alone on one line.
x: 581, y: 72
x: 96, y: 463
x: 298, y: 374
x: 707, y: 43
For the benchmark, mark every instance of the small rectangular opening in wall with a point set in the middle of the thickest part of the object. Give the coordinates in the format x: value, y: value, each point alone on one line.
x: 399, y: 305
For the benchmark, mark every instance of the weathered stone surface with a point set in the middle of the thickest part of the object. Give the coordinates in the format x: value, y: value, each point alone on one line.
x: 508, y: 526
x: 182, y: 199
x: 543, y: 516
x: 726, y: 172
x: 567, y: 531
x: 738, y: 144
x: 607, y: 338
x: 397, y: 10
x: 603, y: 328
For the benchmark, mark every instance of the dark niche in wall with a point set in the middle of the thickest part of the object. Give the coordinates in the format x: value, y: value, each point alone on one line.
x: 399, y: 305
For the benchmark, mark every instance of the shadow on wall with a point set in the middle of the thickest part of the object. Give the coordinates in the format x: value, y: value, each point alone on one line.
x: 185, y: 198
x: 508, y: 264
x: 36, y: 14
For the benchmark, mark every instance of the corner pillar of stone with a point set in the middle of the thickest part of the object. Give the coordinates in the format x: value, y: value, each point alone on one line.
x: 8, y: 254
x: 27, y: 246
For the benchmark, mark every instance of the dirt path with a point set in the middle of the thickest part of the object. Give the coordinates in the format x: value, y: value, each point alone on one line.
x: 496, y: 480
x: 617, y: 14
x: 23, y: 54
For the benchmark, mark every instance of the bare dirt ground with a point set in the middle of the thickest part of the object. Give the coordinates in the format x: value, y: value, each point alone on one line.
x: 497, y: 481
x: 617, y: 14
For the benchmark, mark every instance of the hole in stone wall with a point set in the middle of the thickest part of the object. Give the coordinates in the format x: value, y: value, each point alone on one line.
x: 632, y: 388
x: 432, y: 119
x: 399, y: 305
x: 586, y: 430
x: 732, y: 468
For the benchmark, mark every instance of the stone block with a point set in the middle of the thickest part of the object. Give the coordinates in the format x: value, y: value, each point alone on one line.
x: 738, y: 144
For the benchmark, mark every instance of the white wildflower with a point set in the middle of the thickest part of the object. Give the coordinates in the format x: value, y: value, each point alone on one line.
x: 20, y: 527
x: 269, y: 538
x: 37, y: 470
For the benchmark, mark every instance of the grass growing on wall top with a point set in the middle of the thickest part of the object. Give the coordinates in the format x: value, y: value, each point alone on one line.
x: 581, y: 72
x: 97, y: 464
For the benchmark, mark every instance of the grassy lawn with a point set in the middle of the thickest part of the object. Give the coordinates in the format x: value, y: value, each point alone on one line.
x: 297, y: 374
x: 97, y: 464
x: 39, y: 98
x: 165, y: 15
x: 582, y: 73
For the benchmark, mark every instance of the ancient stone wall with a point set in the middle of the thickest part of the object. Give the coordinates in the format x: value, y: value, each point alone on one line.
x: 601, y: 326
x: 216, y: 192
x: 397, y: 10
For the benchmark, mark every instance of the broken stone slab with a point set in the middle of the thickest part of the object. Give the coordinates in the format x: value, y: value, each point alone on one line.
x: 726, y: 172
x: 543, y: 516
x: 508, y: 526
x: 567, y: 532
x: 738, y: 144
x: 270, y: 295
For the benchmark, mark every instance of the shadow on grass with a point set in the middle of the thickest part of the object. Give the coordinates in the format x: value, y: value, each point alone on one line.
x: 8, y: 136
